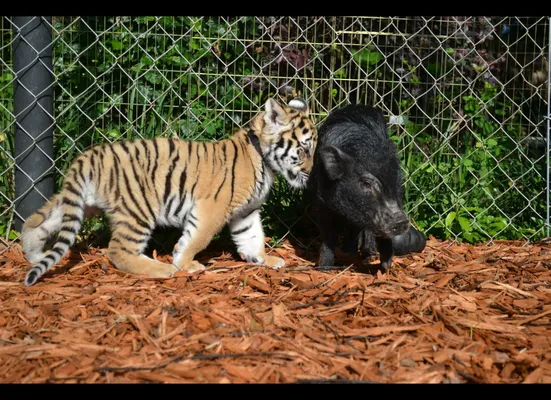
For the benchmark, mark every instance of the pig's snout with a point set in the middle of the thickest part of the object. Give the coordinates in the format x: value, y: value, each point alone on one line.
x: 393, y: 224
x: 399, y: 224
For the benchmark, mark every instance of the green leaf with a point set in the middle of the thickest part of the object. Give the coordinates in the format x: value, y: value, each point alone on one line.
x: 146, y: 60
x: 179, y: 61
x: 6, y: 77
x: 477, y: 67
x: 366, y: 56
x: 154, y: 77
x: 116, y: 45
x: 113, y: 133
x: 465, y: 224
x: 468, y: 237
x: 499, y: 224
x: 450, y: 218
x: 340, y: 73
x: 193, y: 44
x: 375, y: 57
x: 210, y: 129
x: 137, y: 67
x: 488, y: 127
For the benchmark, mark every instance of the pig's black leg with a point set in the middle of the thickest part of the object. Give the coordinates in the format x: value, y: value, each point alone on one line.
x: 368, y: 246
x: 385, y: 252
x: 326, y: 221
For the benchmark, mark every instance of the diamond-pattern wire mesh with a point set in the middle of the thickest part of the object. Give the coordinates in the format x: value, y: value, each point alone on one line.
x: 466, y: 99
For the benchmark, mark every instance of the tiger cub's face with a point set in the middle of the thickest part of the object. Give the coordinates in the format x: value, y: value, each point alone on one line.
x: 288, y: 140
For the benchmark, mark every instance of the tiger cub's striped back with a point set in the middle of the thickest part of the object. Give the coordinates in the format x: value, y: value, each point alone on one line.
x: 196, y: 186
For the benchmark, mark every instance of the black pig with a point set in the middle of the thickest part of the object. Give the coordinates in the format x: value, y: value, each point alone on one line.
x: 357, y: 184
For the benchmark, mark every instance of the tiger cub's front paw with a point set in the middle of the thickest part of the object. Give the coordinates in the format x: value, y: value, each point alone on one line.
x: 274, y: 262
x: 268, y: 261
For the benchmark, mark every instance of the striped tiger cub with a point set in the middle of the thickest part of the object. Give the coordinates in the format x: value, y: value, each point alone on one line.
x: 195, y: 186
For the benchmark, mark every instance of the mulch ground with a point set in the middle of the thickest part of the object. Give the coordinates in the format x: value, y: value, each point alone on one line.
x: 454, y: 313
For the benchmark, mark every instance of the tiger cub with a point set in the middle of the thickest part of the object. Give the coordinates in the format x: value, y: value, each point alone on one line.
x: 195, y: 186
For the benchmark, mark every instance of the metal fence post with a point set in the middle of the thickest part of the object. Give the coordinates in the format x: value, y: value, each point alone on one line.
x: 33, y: 109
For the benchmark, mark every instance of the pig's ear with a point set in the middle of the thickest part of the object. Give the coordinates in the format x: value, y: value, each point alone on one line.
x: 334, y: 161
x: 274, y: 115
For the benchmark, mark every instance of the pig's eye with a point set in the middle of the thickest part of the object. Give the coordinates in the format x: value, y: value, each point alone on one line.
x: 366, y: 184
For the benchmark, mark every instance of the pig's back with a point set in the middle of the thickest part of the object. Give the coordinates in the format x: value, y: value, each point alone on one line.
x: 358, y: 130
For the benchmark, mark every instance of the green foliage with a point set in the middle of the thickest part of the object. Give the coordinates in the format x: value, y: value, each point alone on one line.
x: 467, y: 182
x: 6, y: 147
x: 200, y: 77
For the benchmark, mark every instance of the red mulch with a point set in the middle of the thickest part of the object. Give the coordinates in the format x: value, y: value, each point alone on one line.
x: 454, y: 313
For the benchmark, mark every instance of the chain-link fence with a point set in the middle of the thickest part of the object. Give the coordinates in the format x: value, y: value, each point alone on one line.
x: 466, y: 99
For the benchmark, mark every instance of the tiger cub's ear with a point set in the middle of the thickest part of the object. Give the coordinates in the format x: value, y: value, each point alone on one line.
x: 299, y: 104
x: 274, y: 116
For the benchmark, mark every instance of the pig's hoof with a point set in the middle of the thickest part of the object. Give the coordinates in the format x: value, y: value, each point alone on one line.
x: 385, y: 265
